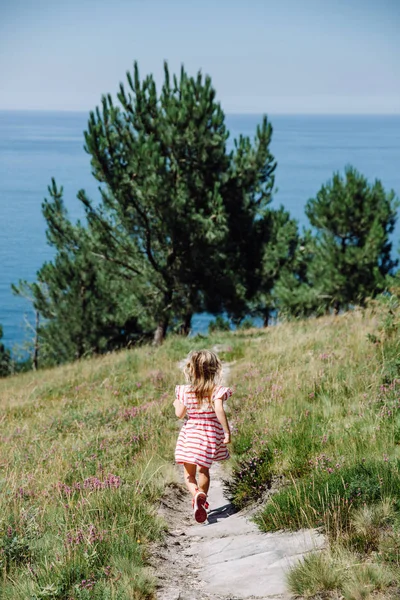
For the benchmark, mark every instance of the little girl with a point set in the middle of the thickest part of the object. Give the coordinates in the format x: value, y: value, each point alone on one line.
x: 203, y: 437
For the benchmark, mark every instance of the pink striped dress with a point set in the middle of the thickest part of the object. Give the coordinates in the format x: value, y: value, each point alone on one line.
x: 201, y: 439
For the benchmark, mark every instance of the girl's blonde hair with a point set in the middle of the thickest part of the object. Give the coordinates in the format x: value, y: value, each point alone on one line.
x: 203, y: 371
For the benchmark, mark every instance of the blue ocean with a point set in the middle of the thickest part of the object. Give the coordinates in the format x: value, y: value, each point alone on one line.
x: 36, y: 146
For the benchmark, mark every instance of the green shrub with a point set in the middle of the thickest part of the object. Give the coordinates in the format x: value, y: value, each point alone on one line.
x: 249, y: 479
x: 14, y: 550
x: 219, y: 324
x: 16, y: 534
x: 247, y: 323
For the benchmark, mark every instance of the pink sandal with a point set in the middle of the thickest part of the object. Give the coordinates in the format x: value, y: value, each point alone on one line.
x: 199, y: 507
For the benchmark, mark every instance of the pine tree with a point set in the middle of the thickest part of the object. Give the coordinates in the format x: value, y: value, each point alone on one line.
x: 247, y: 194
x: 181, y: 226
x: 279, y: 256
x: 177, y: 210
x: 296, y: 293
x: 353, y: 221
x: 5, y: 358
x: 81, y: 300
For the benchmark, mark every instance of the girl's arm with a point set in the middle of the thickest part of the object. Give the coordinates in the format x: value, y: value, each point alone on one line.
x: 180, y: 409
x: 220, y: 412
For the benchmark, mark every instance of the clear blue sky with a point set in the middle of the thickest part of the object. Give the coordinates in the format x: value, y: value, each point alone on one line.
x: 273, y: 56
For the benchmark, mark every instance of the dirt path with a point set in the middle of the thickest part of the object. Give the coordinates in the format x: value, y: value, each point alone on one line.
x: 228, y: 558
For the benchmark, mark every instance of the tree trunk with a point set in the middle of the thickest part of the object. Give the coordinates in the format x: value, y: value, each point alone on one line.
x: 266, y: 319
x: 336, y: 307
x: 36, y: 344
x: 187, y: 322
x: 160, y: 332
x: 162, y: 326
x: 81, y: 340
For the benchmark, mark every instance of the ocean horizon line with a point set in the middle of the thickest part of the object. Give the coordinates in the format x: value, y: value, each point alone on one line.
x: 227, y: 113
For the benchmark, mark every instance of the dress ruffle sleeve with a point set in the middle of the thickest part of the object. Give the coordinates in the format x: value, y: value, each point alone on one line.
x: 222, y: 393
x: 180, y: 394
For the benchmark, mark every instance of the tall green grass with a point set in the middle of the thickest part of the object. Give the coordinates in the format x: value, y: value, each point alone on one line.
x: 323, y: 396
x: 85, y: 453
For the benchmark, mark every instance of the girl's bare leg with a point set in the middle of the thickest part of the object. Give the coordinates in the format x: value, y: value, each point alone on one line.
x: 204, y: 479
x: 189, y: 472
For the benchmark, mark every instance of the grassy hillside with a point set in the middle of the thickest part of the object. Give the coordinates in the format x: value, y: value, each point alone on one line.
x: 86, y: 449
x: 319, y: 407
